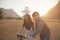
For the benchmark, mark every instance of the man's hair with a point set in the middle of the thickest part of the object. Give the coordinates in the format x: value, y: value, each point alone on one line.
x: 35, y: 13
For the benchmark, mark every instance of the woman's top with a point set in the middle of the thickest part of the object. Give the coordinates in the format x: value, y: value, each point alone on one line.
x: 28, y: 26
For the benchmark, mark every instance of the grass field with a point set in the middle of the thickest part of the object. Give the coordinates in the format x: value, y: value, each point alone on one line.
x: 9, y: 28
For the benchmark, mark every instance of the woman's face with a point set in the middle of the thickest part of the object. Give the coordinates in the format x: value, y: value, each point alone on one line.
x: 26, y: 18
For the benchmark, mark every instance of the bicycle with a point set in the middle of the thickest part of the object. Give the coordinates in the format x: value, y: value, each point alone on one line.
x: 20, y: 37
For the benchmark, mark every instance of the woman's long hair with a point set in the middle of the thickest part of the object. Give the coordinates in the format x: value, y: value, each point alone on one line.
x: 29, y: 21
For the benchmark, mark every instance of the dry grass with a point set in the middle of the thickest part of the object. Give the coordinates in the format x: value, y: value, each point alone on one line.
x: 9, y: 28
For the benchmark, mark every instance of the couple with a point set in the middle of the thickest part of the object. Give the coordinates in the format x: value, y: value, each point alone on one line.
x: 38, y: 27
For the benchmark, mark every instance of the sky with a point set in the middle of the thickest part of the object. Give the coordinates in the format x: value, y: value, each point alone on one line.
x: 41, y: 6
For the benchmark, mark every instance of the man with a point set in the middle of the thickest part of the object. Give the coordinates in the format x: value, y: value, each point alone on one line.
x: 41, y: 27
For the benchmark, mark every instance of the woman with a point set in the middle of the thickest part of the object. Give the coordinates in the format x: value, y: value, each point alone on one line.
x: 28, y: 25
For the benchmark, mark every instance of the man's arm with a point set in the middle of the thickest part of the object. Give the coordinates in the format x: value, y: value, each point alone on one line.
x: 38, y: 30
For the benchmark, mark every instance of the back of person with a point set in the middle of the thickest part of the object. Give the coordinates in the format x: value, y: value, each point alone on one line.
x: 45, y: 30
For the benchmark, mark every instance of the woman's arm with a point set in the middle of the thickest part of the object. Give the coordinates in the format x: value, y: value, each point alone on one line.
x: 21, y: 30
x: 38, y: 29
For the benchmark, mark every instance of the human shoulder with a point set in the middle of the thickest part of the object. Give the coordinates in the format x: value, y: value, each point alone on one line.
x: 41, y: 19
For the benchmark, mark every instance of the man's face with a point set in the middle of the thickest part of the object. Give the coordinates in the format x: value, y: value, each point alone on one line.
x: 36, y: 17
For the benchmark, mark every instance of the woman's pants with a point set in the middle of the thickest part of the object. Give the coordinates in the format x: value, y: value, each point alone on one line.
x: 28, y: 33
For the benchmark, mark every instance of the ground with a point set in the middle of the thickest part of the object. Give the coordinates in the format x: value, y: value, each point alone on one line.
x: 9, y: 29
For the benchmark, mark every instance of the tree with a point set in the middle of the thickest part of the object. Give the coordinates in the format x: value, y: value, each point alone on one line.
x: 1, y: 16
